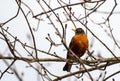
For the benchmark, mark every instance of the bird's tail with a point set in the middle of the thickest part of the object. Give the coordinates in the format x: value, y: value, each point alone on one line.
x: 67, y: 67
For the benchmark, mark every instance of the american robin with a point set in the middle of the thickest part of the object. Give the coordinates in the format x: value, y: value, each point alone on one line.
x: 78, y: 45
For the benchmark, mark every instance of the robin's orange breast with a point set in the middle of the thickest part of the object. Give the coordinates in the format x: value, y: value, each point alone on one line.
x: 79, y: 44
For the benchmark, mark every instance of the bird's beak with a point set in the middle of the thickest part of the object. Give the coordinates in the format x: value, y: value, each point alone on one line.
x: 74, y: 30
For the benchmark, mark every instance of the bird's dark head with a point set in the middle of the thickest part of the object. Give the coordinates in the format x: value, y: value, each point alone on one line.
x: 78, y: 31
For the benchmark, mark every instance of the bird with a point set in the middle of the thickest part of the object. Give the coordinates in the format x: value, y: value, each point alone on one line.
x: 78, y: 45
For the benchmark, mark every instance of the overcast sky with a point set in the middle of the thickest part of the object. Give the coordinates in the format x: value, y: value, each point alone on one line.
x: 18, y: 27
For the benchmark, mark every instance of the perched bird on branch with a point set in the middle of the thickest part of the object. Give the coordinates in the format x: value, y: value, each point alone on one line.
x: 78, y: 45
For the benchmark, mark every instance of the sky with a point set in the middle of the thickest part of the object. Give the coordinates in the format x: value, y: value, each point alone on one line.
x: 18, y: 27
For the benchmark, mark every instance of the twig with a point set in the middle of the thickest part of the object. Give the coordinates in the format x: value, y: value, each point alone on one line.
x: 7, y: 69
x: 111, y: 75
x: 68, y: 5
x: 33, y: 38
x: 81, y: 71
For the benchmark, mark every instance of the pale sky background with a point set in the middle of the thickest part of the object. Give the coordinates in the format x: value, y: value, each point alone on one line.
x: 18, y: 27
